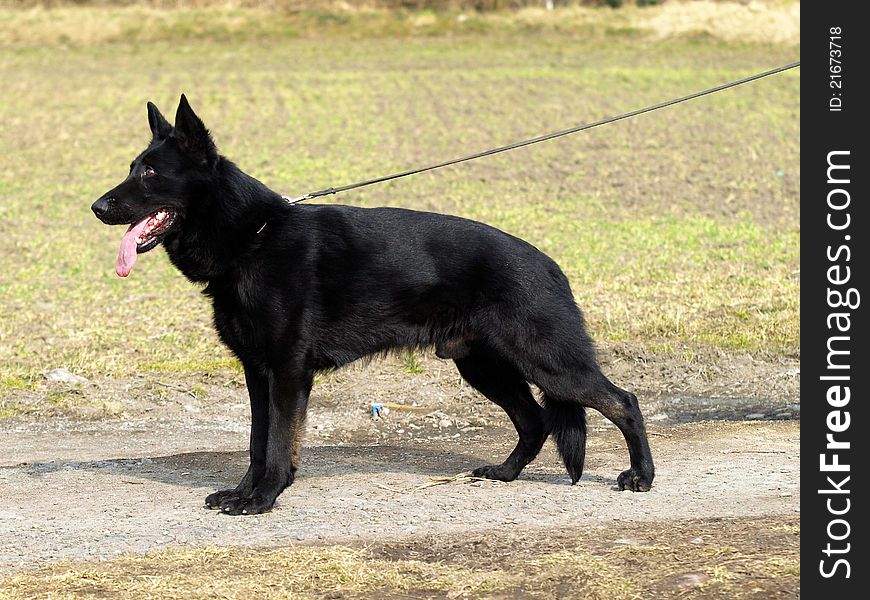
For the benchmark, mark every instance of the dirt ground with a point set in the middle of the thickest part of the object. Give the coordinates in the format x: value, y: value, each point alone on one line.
x: 726, y: 449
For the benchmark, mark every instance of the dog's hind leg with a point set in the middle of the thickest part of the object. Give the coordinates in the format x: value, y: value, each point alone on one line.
x: 504, y: 386
x: 622, y: 409
x: 258, y: 391
x: 567, y: 391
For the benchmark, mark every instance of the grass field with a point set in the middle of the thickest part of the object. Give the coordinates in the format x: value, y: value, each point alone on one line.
x: 678, y: 230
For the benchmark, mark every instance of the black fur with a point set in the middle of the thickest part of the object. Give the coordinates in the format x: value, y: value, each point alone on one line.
x: 304, y: 288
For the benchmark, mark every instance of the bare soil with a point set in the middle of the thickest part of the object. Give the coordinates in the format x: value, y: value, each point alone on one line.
x: 725, y: 439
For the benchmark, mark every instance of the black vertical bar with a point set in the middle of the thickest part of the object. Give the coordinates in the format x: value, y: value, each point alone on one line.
x: 834, y: 232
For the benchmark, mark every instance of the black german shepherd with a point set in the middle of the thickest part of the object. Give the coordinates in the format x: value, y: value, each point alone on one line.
x: 304, y: 288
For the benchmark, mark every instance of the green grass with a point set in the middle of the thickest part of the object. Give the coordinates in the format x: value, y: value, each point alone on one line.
x: 195, y: 365
x: 677, y: 229
x: 411, y: 362
x: 14, y: 382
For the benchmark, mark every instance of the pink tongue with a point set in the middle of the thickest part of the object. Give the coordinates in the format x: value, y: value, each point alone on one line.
x: 127, y: 255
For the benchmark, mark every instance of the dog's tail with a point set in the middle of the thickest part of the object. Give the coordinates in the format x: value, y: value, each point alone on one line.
x: 566, y: 422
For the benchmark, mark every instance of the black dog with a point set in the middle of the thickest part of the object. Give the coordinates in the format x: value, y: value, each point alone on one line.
x: 303, y: 288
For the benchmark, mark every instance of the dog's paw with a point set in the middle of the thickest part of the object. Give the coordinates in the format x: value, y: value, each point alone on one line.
x: 498, y: 472
x: 254, y: 504
x: 214, y: 501
x: 632, y: 480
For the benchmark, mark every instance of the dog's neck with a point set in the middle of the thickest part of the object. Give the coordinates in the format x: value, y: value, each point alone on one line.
x: 227, y: 222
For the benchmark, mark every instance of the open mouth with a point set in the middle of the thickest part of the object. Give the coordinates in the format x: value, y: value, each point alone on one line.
x: 141, y: 237
x: 155, y: 226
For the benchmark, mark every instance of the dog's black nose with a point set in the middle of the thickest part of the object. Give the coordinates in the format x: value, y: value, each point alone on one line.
x: 100, y: 207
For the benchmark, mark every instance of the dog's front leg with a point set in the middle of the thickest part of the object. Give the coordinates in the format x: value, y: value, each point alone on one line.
x: 258, y: 391
x: 289, y: 387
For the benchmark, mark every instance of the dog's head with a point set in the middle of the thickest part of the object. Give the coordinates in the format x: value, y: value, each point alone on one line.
x: 154, y: 197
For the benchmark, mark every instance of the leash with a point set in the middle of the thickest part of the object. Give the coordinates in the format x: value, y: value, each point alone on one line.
x: 542, y: 138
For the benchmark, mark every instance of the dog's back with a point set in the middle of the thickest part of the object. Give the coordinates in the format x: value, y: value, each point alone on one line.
x: 384, y: 278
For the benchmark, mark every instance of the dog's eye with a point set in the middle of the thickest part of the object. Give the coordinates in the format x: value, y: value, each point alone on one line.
x: 147, y: 171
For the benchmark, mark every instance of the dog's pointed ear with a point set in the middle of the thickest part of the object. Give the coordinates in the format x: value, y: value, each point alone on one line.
x: 160, y: 127
x: 192, y: 135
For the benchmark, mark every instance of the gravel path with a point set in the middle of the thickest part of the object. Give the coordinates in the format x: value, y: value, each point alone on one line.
x: 99, y: 489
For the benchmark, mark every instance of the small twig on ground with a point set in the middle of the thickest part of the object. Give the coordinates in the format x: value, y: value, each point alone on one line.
x: 407, y: 407
x: 190, y: 393
x: 461, y: 477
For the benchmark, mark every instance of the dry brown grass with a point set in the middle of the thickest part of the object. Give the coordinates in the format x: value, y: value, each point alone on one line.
x: 777, y: 22
x: 94, y: 23
x: 719, y: 559
x: 291, y: 5
x: 231, y: 573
